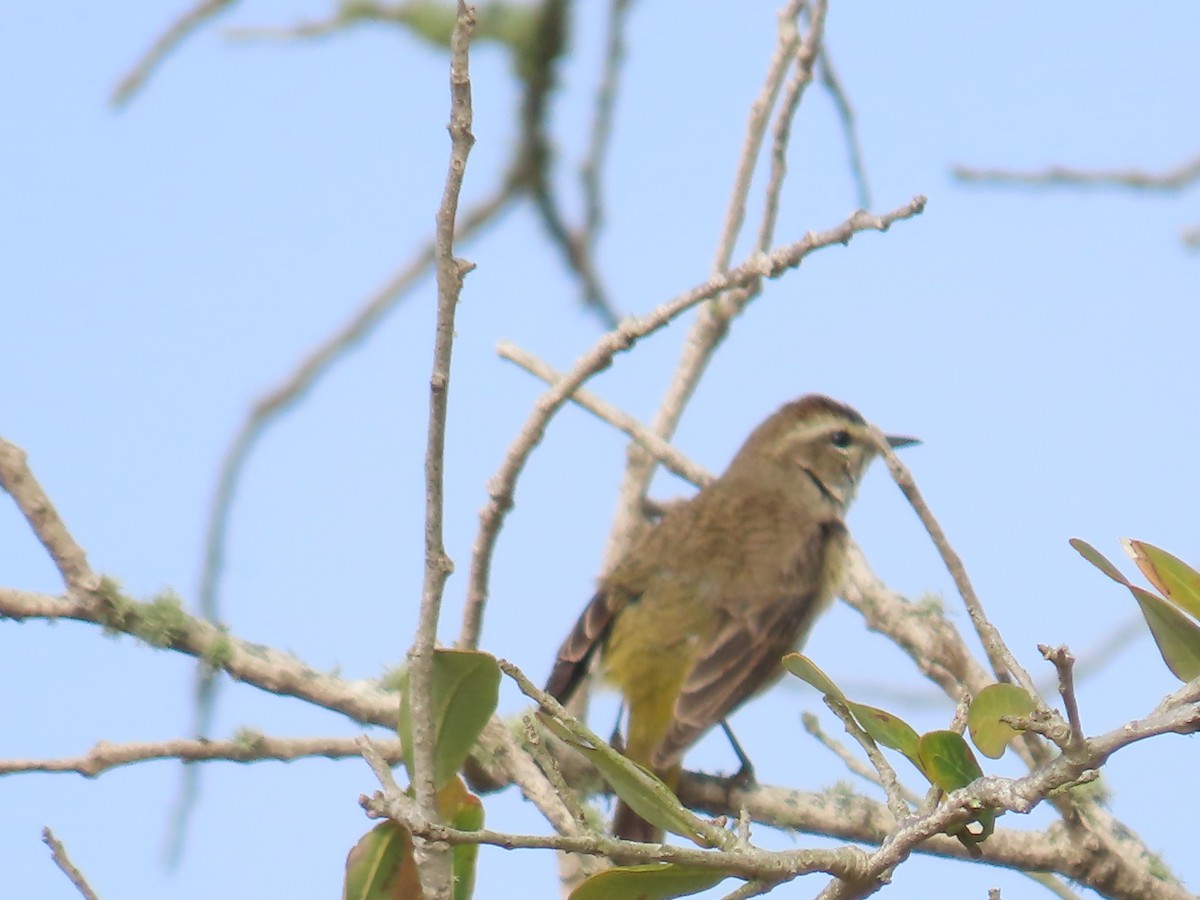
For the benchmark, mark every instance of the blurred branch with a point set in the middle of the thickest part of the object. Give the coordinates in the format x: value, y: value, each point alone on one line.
x: 59, y: 854
x: 175, y: 34
x: 537, y: 157
x: 833, y: 84
x: 602, y: 123
x: 1172, y: 180
x: 1175, y: 179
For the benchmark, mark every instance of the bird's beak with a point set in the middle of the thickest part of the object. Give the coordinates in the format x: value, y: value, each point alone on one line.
x: 896, y: 441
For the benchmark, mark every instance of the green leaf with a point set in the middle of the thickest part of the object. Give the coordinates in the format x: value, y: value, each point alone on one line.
x: 988, y: 733
x: 654, y: 881
x: 1177, y: 636
x: 886, y: 729
x: 381, y: 866
x: 1175, y: 633
x: 466, y: 688
x: 429, y: 19
x: 1097, y: 559
x: 806, y: 670
x: 646, y: 793
x: 1175, y: 579
x: 461, y: 809
x: 947, y: 760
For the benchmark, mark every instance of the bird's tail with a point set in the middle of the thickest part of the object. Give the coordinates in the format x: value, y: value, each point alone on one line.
x: 629, y: 826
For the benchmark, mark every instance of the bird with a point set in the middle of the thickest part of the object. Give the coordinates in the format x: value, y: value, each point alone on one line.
x: 695, y: 617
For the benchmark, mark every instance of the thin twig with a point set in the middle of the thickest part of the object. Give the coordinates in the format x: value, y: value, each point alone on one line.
x: 756, y: 129
x: 896, y: 801
x: 1003, y: 663
x: 1064, y: 663
x: 378, y: 762
x: 59, y: 854
x: 672, y: 459
x: 549, y: 765
x: 529, y: 778
x: 502, y: 485
x: 175, y: 34
x: 434, y: 860
x: 806, y: 57
x: 813, y: 726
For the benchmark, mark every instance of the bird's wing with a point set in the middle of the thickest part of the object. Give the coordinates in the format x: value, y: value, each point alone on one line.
x: 738, y: 663
x: 575, y: 654
x: 758, y: 628
x: 622, y: 586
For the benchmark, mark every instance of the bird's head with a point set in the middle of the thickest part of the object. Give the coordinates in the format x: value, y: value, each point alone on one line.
x: 814, y: 437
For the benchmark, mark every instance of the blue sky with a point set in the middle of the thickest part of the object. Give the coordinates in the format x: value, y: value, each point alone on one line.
x: 167, y: 263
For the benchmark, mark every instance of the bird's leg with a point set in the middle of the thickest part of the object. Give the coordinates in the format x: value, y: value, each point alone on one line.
x: 745, y: 774
x: 617, y: 741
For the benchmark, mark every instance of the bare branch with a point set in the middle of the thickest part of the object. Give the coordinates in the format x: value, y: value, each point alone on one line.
x: 59, y: 853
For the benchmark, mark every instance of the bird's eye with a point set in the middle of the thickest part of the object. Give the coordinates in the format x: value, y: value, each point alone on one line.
x: 841, y: 439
